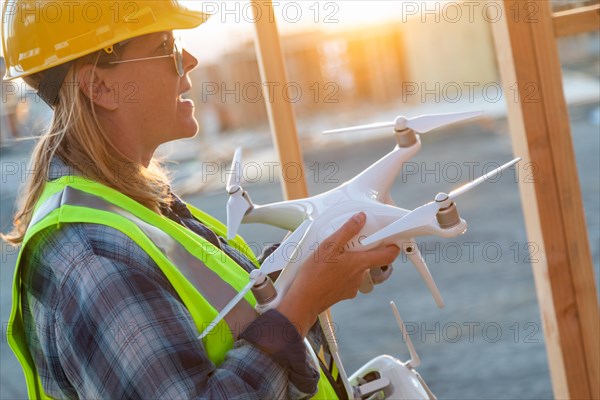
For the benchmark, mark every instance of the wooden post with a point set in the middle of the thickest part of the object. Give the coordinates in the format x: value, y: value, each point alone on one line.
x: 579, y: 20
x: 279, y: 108
x: 553, y: 208
x: 281, y: 114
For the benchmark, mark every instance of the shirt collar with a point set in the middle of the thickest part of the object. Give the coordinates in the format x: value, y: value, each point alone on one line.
x: 58, y: 168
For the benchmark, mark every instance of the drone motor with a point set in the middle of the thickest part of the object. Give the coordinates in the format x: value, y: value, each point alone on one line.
x: 264, y: 292
x: 405, y: 137
x: 447, y: 216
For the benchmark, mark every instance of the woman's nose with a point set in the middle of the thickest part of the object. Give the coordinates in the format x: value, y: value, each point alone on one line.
x: 189, y: 61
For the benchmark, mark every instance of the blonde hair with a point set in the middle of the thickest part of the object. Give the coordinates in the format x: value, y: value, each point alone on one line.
x: 76, y: 136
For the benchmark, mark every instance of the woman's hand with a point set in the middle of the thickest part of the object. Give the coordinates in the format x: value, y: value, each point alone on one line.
x: 330, y: 275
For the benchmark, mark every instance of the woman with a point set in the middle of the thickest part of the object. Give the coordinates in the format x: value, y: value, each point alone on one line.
x: 117, y: 276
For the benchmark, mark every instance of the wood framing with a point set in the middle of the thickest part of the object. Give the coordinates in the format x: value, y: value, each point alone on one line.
x: 549, y: 185
x: 281, y: 114
x: 578, y: 20
x: 279, y: 109
x: 552, y: 204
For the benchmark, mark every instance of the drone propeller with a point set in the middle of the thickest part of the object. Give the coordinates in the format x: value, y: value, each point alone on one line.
x: 238, y: 204
x: 424, y: 215
x: 275, y: 262
x: 421, y: 124
x: 256, y: 276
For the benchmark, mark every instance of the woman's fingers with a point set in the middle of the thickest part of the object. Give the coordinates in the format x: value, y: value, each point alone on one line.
x: 331, y: 247
x: 376, y: 257
x: 349, y: 229
x: 332, y: 275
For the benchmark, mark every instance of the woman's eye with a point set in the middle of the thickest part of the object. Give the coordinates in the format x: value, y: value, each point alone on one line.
x: 164, y: 47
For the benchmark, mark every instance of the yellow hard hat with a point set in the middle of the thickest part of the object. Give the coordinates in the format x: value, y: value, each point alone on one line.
x: 38, y: 35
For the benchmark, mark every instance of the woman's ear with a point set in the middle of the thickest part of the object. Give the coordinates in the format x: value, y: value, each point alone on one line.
x: 93, y: 83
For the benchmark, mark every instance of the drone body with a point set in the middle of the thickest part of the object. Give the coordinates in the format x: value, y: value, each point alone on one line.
x: 371, y: 186
x: 314, y: 219
x: 369, y: 193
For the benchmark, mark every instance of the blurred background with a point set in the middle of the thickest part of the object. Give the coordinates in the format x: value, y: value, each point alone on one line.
x: 355, y: 62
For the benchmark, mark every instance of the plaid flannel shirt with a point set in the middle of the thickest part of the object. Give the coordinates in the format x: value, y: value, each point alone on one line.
x: 103, y: 322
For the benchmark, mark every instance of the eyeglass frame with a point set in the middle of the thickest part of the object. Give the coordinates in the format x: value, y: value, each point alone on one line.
x: 176, y: 54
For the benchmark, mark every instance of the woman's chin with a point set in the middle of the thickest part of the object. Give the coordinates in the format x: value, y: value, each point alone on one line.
x: 191, y: 129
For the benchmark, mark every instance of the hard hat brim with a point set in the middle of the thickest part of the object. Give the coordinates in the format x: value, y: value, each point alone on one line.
x: 89, y: 43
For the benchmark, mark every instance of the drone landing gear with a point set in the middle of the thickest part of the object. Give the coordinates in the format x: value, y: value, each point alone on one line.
x: 371, y: 387
x: 396, y: 381
x: 386, y: 377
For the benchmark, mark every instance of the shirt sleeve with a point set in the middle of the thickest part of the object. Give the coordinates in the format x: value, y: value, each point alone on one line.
x: 121, y: 331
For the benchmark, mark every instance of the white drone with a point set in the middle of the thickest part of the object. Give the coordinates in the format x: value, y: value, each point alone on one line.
x: 313, y: 219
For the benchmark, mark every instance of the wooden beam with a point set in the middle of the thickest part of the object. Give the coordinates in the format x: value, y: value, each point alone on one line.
x: 575, y: 21
x: 281, y: 114
x: 279, y: 108
x: 553, y: 208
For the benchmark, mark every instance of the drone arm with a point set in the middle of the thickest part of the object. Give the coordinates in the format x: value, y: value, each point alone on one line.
x: 287, y: 215
x: 386, y: 198
x: 302, y: 250
x: 380, y: 176
x: 287, y: 250
x: 415, y: 223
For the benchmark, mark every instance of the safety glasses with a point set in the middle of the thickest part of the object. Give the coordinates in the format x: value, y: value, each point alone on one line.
x: 177, y: 56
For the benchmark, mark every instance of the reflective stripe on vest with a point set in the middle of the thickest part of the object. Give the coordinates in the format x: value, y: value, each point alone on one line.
x: 214, y: 289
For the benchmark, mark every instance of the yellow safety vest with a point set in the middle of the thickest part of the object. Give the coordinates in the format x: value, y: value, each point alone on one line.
x: 203, y: 276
